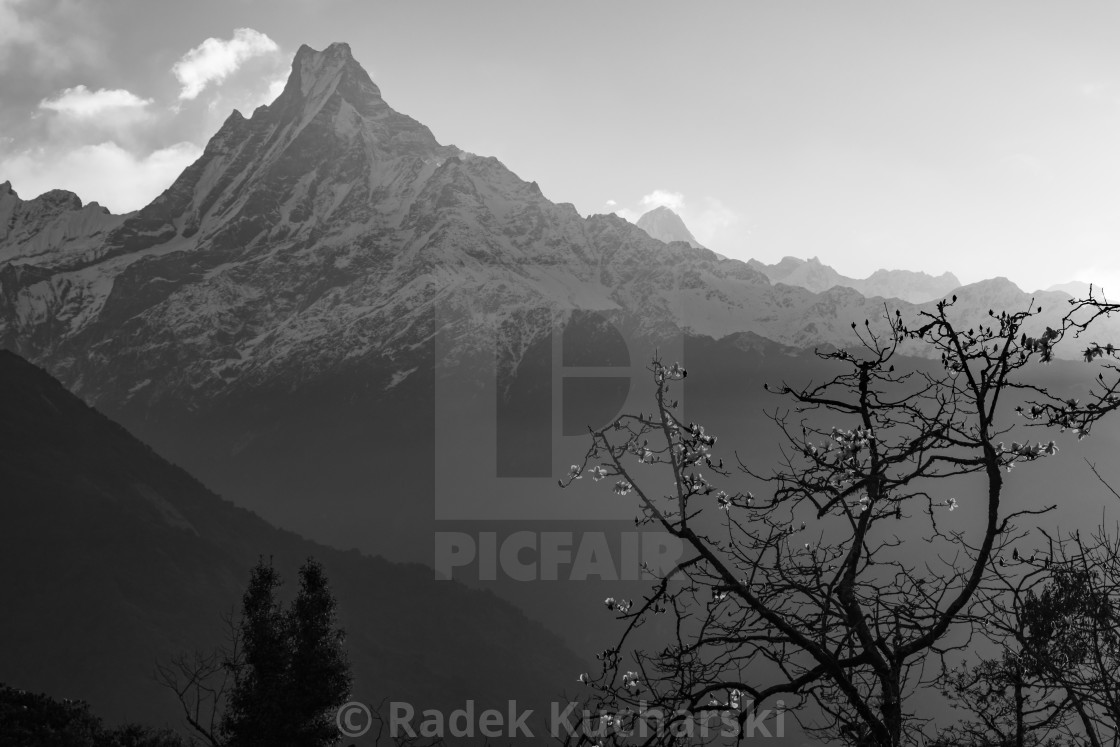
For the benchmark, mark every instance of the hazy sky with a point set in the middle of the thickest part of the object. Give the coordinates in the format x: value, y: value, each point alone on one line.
x: 980, y: 138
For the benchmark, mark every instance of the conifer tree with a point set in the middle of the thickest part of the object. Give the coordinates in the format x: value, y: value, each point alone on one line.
x: 292, y: 672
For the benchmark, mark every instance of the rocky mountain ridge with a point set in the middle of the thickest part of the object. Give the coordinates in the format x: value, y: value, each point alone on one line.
x: 328, y: 227
x: 812, y: 274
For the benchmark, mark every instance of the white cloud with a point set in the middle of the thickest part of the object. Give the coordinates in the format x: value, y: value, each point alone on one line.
x: 657, y: 198
x: 663, y: 198
x: 275, y: 88
x: 81, y: 103
x: 215, y: 59
x: 79, y: 116
x: 105, y: 172
x: 628, y: 214
x: 708, y: 219
x: 258, y: 96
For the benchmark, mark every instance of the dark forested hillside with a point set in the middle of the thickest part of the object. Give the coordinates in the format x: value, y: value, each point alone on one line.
x: 112, y: 560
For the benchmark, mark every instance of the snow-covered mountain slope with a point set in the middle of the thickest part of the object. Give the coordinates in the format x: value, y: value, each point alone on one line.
x: 269, y: 321
x: 915, y: 287
x: 664, y: 225
x: 53, y: 225
x: 326, y: 228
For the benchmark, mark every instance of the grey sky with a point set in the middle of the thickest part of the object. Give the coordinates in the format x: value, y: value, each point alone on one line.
x: 981, y: 138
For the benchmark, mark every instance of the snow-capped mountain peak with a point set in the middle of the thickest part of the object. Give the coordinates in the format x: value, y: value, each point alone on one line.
x: 665, y: 225
x: 322, y: 231
x: 315, y: 72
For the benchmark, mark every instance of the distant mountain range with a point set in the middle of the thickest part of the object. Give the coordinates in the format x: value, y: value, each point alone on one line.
x: 1075, y: 288
x: 663, y: 224
x: 915, y: 287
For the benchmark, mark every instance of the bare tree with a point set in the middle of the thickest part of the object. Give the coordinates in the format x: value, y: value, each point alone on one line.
x: 1013, y: 700
x: 836, y: 585
x: 1054, y: 616
x: 202, y: 682
x: 1057, y: 624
